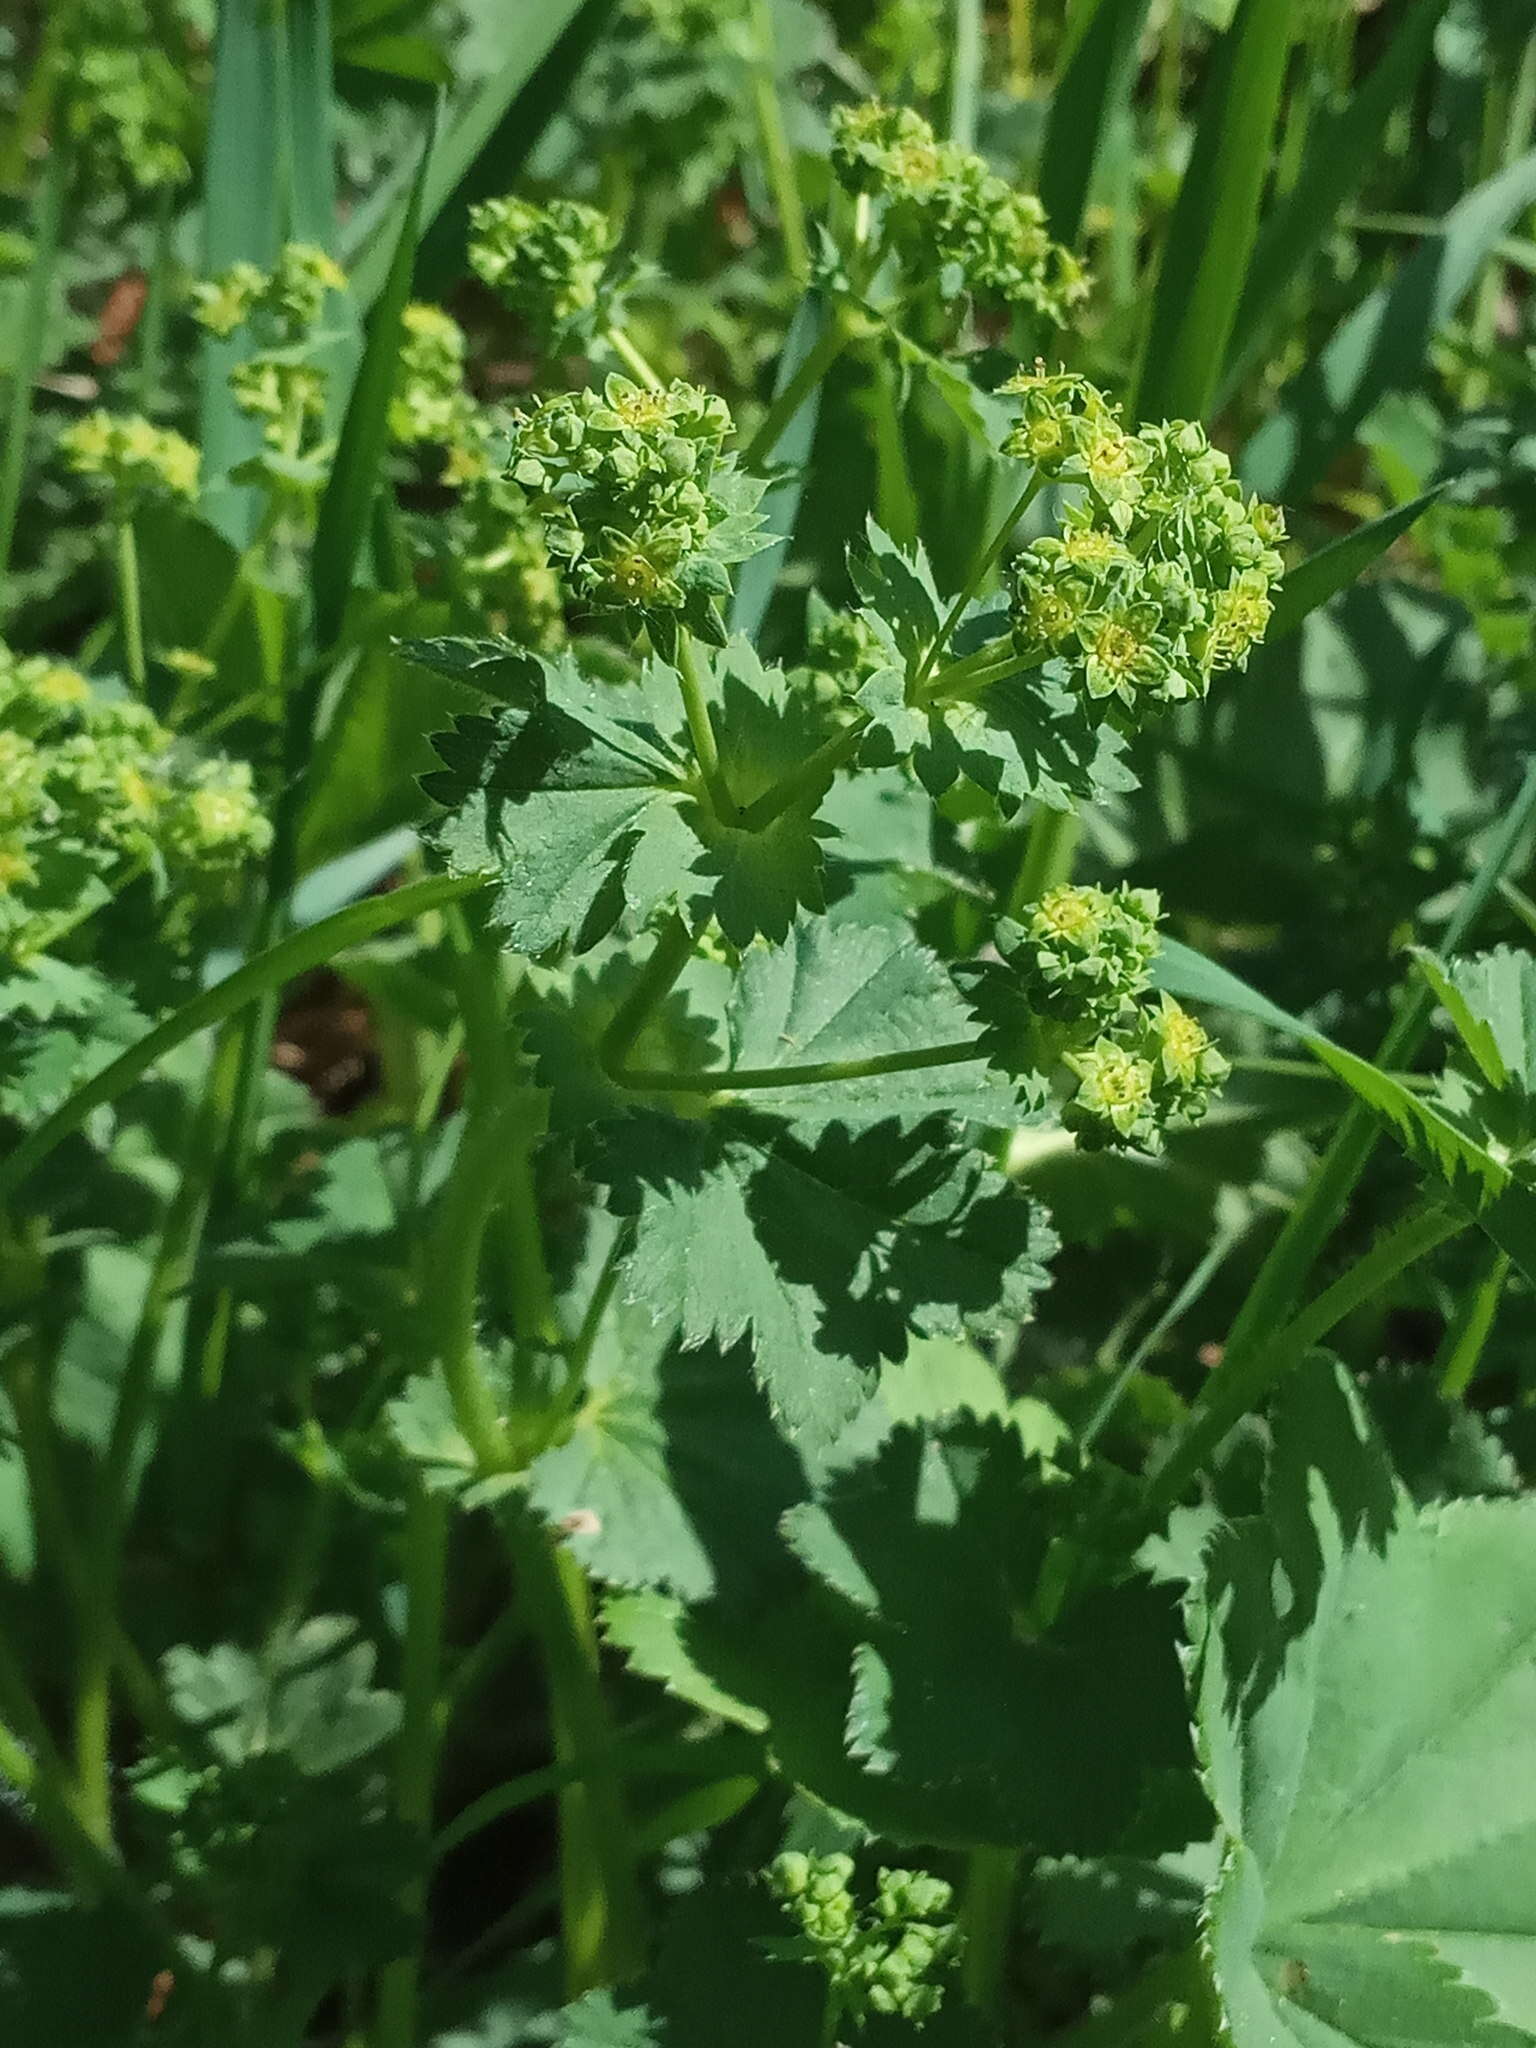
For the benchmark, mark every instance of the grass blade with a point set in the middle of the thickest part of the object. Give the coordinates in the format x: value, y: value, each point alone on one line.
x: 311, y: 137
x: 484, y: 145
x: 1333, y: 568
x: 31, y: 342
x: 756, y: 577
x: 1475, y: 1178
x: 1215, y: 218
x: 295, y: 955
x: 1342, y: 154
x: 1383, y: 344
x: 1094, y: 86
x: 348, y: 499
x: 242, y: 217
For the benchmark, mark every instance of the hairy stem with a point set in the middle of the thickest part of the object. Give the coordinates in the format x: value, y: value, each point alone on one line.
x: 130, y: 611
x: 812, y: 772
x: 653, y: 984
x: 666, y: 1080
x: 981, y: 568
x: 986, y: 1917
x: 778, y: 158
x: 701, y: 729
x: 1462, y: 1352
x: 618, y: 340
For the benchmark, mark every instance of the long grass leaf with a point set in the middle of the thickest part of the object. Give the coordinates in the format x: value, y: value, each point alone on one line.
x: 348, y: 499
x: 1333, y: 568
x: 242, y: 218
x: 1383, y: 343
x: 1216, y: 217
x: 311, y: 102
x: 1476, y: 1179
x: 485, y: 143
x: 756, y: 577
x: 1342, y: 153
x: 1093, y: 87
x: 965, y: 60
x: 31, y: 343
x: 279, y: 964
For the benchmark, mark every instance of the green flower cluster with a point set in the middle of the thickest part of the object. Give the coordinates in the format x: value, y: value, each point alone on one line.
x: 129, y: 110
x: 91, y: 789
x: 884, y: 1960
x: 641, y: 507
x: 429, y: 403
x: 545, y: 262
x: 277, y: 384
x: 951, y: 217
x: 1163, y: 572
x: 841, y: 646
x: 1071, y: 989
x: 136, y: 459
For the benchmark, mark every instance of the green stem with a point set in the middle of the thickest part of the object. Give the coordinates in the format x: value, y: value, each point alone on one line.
x: 701, y: 729
x: 973, y: 672
x: 981, y: 568
x: 834, y: 339
x: 601, y: 1913
x: 1311, y: 1221
x: 130, y: 613
x: 416, y: 1747
x: 986, y: 1918
x: 654, y: 983
x: 813, y: 772
x: 31, y: 341
x: 666, y: 1080
x: 1047, y: 859
x: 631, y: 357
x: 778, y: 158
x: 1462, y: 1352
x: 1229, y: 1395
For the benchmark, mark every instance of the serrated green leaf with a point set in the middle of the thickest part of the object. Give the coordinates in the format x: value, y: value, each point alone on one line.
x: 648, y: 1629
x: 827, y: 1253
x: 673, y: 1475
x: 312, y: 1702
x: 1378, y: 1806
x: 1026, y: 737
x: 586, y: 805
x: 908, y: 1682
x: 1492, y: 1001
x: 838, y: 993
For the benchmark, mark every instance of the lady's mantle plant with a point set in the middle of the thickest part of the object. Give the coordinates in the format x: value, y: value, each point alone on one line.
x: 677, y: 809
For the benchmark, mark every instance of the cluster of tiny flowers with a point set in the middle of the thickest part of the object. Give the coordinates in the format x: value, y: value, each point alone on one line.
x: 950, y: 216
x: 129, y: 109
x: 136, y: 459
x: 885, y: 1960
x: 1072, y: 990
x: 283, y: 306
x: 91, y: 786
x: 545, y: 262
x: 429, y: 403
x: 639, y: 503
x: 1163, y: 572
